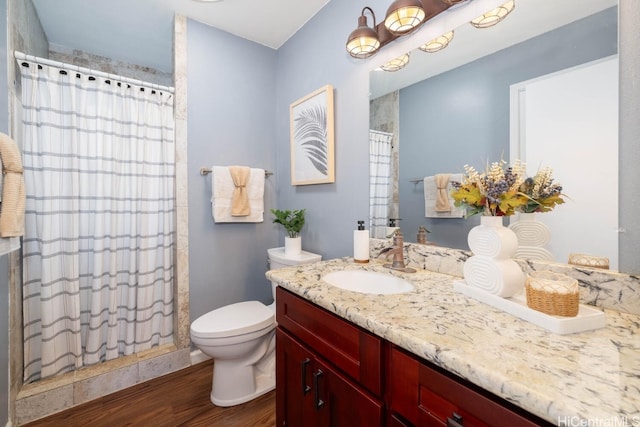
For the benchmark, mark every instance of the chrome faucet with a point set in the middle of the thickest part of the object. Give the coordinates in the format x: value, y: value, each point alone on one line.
x: 397, y: 250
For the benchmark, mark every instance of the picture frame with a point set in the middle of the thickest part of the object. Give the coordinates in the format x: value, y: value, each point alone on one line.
x: 312, y: 138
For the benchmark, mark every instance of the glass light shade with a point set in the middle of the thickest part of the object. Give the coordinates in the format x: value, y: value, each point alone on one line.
x: 452, y: 2
x: 403, y: 16
x: 396, y: 64
x: 363, y: 41
x: 494, y: 16
x: 438, y: 43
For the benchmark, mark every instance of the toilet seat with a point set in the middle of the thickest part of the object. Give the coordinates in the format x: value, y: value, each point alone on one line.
x: 234, y: 319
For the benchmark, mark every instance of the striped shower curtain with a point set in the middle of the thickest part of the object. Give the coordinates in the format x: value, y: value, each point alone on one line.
x: 379, y: 181
x: 99, y: 224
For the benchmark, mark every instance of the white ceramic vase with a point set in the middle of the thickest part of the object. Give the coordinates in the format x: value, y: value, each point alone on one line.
x: 532, y: 236
x: 491, y: 268
x: 293, y: 245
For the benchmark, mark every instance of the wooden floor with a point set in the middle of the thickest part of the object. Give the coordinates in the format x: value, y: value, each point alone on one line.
x: 177, y: 399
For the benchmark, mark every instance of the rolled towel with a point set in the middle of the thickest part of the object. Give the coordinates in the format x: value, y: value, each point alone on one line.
x: 240, y: 198
x: 442, y: 193
x: 13, y: 192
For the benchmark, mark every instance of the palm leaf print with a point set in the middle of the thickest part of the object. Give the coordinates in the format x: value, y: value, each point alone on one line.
x: 311, y: 135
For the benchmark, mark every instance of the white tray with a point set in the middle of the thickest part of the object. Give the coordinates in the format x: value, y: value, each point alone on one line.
x: 588, y: 317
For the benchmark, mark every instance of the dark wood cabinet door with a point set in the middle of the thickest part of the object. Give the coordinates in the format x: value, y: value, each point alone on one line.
x: 311, y: 392
x: 343, y: 402
x: 294, y: 394
x: 349, y: 348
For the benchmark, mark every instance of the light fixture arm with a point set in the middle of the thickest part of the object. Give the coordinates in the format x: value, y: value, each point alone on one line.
x: 362, y: 17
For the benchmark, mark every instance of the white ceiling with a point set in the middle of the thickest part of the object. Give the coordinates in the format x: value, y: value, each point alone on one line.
x: 141, y: 31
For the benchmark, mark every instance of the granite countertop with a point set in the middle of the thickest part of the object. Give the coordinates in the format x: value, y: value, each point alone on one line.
x: 590, y: 376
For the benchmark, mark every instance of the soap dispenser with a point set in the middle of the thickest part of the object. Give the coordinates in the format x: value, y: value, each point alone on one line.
x: 361, y: 244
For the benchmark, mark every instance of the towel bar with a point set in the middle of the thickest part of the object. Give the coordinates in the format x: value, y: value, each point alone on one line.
x: 207, y: 171
x: 416, y: 180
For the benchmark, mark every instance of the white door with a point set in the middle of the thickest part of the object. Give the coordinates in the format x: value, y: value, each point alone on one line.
x: 569, y: 122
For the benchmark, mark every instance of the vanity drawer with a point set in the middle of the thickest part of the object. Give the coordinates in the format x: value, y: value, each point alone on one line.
x: 353, y: 350
x: 427, y: 396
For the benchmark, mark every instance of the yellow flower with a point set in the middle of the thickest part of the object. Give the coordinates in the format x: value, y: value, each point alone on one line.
x: 495, y: 192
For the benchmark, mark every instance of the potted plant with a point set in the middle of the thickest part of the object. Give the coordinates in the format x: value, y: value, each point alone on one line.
x: 292, y: 221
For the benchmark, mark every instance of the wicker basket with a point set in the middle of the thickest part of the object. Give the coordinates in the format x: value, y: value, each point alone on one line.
x: 552, y: 293
x: 584, y: 260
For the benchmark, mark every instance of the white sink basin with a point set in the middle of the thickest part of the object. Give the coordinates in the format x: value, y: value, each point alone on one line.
x: 367, y: 282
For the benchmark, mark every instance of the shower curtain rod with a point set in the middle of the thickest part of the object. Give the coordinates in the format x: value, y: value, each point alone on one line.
x: 83, y: 70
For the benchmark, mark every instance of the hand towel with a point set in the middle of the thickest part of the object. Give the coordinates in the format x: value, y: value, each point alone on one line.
x: 13, y: 192
x: 240, y: 199
x: 222, y: 189
x: 442, y: 193
x: 431, y: 196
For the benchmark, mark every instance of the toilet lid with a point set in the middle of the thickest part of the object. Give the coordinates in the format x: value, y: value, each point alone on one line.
x: 234, y: 319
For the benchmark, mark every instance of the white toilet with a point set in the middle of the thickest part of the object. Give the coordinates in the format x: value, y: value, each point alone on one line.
x: 240, y: 338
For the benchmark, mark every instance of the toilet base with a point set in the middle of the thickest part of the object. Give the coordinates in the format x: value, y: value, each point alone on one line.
x: 264, y: 384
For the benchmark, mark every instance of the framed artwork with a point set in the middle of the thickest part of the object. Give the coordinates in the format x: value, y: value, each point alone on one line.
x: 312, y: 155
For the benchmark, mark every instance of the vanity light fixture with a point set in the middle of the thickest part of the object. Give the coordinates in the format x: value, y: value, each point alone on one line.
x: 403, y: 16
x: 452, y: 2
x: 363, y: 41
x: 438, y: 43
x: 494, y: 16
x: 396, y: 64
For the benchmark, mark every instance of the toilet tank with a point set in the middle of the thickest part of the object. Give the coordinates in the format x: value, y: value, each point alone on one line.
x: 278, y: 259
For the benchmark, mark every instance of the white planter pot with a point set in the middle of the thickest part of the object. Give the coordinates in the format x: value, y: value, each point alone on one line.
x: 491, y: 267
x: 293, y: 245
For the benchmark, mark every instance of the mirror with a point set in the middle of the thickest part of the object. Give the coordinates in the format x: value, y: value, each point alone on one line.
x: 443, y: 100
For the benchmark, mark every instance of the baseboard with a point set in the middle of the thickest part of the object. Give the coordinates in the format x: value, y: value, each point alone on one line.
x: 198, y: 357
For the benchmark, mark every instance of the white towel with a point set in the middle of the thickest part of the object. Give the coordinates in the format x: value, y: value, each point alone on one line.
x: 431, y: 195
x: 222, y: 192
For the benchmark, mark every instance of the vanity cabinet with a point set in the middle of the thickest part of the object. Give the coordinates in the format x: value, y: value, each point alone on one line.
x: 329, y: 371
x: 421, y: 394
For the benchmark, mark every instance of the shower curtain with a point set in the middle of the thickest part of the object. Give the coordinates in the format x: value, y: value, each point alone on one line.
x: 379, y: 181
x: 99, y: 224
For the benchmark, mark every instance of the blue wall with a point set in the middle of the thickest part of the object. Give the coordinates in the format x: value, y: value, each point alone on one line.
x: 231, y: 116
x: 314, y: 57
x: 462, y: 116
x: 239, y: 95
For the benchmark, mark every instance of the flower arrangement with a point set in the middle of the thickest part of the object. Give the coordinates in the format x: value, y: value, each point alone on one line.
x: 541, y: 193
x: 503, y: 190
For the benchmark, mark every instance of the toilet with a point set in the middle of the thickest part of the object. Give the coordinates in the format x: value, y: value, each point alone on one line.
x: 240, y: 338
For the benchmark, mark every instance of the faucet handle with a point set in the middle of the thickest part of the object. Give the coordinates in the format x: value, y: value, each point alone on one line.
x: 398, y: 238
